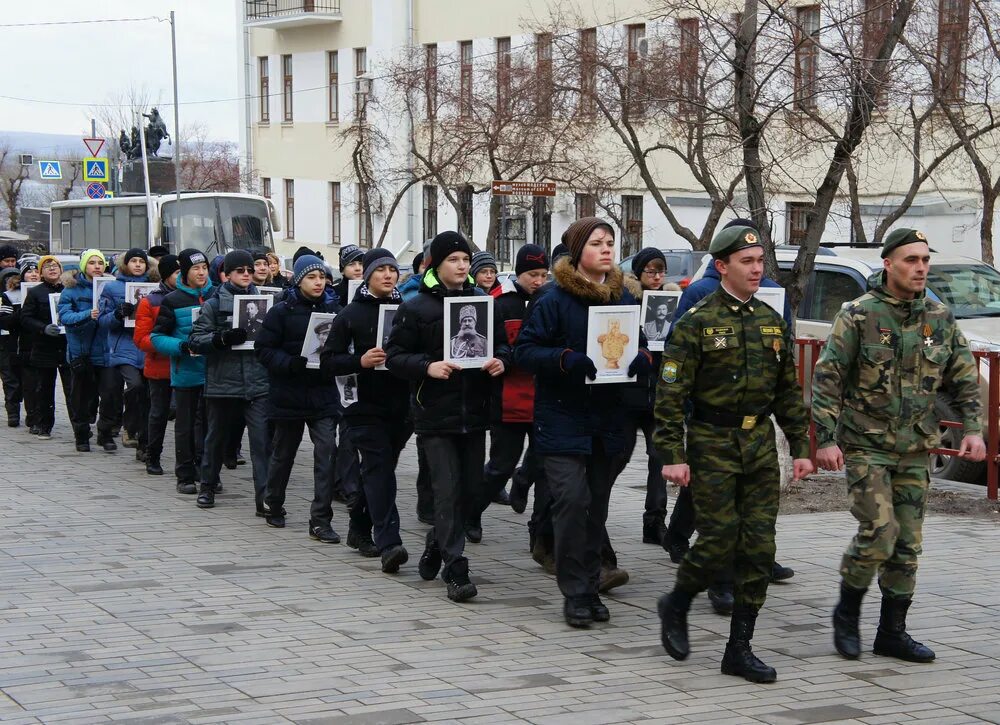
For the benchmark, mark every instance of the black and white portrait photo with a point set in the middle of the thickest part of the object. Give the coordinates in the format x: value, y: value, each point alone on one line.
x: 316, y: 333
x: 248, y: 313
x: 468, y: 330
x: 135, y: 292
x: 386, y: 317
x: 658, y: 309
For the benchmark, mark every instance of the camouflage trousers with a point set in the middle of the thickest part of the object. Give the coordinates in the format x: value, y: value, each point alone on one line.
x: 734, y: 515
x: 888, y: 494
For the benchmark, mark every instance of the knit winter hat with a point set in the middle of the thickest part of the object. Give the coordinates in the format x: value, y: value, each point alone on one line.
x: 27, y: 264
x: 579, y: 232
x: 644, y: 257
x: 350, y: 253
x: 304, y: 250
x: 447, y: 243
x: 417, y: 261
x: 304, y: 265
x: 8, y: 251
x: 45, y: 259
x: 375, y: 258
x: 168, y: 265
x: 560, y: 250
x: 131, y: 254
x: 235, y: 259
x: 260, y: 255
x: 158, y: 252
x: 87, y: 254
x: 189, y: 258
x: 530, y: 257
x: 480, y: 261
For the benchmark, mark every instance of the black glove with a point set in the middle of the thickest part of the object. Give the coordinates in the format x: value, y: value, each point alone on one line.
x: 52, y: 330
x: 236, y: 336
x: 298, y: 365
x: 640, y: 365
x: 125, y: 309
x: 576, y: 363
x: 185, y: 348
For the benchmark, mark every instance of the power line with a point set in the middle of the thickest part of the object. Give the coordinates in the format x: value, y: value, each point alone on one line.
x: 84, y: 22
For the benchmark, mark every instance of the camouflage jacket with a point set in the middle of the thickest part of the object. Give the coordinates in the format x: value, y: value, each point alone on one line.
x: 735, y: 358
x: 881, y: 370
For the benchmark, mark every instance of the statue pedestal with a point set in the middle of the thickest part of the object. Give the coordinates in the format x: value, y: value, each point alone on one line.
x: 161, y: 176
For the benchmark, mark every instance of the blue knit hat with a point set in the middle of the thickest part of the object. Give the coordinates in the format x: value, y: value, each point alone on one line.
x: 304, y: 265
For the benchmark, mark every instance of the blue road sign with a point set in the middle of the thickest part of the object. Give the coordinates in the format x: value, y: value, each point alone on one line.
x: 96, y: 191
x: 95, y: 169
x: 50, y: 169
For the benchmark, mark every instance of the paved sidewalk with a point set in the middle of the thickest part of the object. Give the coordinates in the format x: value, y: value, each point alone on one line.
x: 122, y: 602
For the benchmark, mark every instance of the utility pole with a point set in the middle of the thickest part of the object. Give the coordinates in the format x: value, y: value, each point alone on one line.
x: 177, y: 132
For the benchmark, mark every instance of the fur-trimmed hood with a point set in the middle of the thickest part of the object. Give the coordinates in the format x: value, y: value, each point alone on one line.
x: 633, y: 285
x: 71, y: 278
x: 577, y: 285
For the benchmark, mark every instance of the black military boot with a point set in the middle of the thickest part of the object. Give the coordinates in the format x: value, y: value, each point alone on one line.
x: 577, y: 612
x: 474, y: 530
x: 456, y: 576
x: 206, y: 496
x: 721, y: 598
x: 430, y: 561
x: 673, y: 610
x: 846, y: 637
x: 739, y: 659
x: 153, y: 467
x: 362, y: 541
x: 518, y: 495
x: 891, y: 639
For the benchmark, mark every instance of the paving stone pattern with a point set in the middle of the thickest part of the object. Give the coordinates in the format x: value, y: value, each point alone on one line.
x: 122, y: 602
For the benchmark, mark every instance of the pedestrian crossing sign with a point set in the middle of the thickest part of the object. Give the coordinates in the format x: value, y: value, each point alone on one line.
x: 50, y: 170
x: 95, y: 169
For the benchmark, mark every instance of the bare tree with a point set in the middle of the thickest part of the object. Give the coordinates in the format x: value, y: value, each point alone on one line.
x: 118, y: 113
x: 12, y: 178
x: 208, y: 165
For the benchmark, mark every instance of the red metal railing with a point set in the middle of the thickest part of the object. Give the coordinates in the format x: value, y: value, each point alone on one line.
x: 808, y: 354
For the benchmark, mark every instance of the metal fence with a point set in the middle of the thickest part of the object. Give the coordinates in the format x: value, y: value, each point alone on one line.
x: 257, y: 9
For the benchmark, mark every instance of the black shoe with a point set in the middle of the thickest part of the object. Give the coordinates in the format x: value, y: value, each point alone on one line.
x: 324, y: 533
x: 781, y: 573
x: 722, y: 601
x: 456, y: 576
x: 262, y: 508
x: 186, y: 487
x: 502, y: 498
x: 362, y: 541
x: 430, y: 560
x: 46, y: 435
x: 275, y: 522
x: 598, y: 612
x: 425, y: 517
x: 240, y: 460
x: 654, y: 532
x: 13, y: 422
x: 846, y: 634
x: 474, y: 532
x: 739, y: 659
x: 673, y: 611
x: 206, y: 497
x: 577, y: 612
x: 107, y: 443
x: 230, y: 463
x: 153, y: 467
x: 393, y: 558
x: 892, y: 640
x: 34, y: 430
x: 83, y: 447
x: 676, y: 548
x: 518, y: 495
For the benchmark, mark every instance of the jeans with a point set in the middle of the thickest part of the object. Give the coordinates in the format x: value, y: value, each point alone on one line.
x: 10, y: 374
x: 44, y: 389
x: 189, y: 435
x: 656, y: 487
x: 220, y: 413
x: 136, y: 404
x: 287, y: 436
x: 159, y: 409
x: 375, y: 507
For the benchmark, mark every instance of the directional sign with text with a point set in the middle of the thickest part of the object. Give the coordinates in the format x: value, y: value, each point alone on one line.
x: 96, y: 191
x: 49, y: 170
x: 95, y: 169
x: 524, y: 188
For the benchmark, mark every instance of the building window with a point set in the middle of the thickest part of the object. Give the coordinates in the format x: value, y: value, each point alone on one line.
x: 878, y: 15
x: 265, y: 187
x: 465, y: 208
x: 362, y: 84
x: 586, y: 205
x: 335, y: 213
x: 289, y: 209
x: 632, y: 219
x: 333, y: 75
x: 635, y: 90
x: 431, y: 78
x: 465, y: 79
x: 953, y: 38
x: 796, y: 221
x: 264, y: 90
x: 286, y: 88
x: 364, y: 216
x: 541, y: 223
x: 806, y: 54
x: 687, y: 70
x: 503, y: 77
x: 543, y: 74
x: 588, y: 72
x: 430, y: 211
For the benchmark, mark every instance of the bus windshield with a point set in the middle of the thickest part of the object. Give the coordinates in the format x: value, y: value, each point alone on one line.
x: 217, y: 224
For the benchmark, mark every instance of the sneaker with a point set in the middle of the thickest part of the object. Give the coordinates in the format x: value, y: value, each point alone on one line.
x: 393, y: 558
x: 128, y: 441
x: 46, y: 435
x: 430, y: 560
x: 186, y: 487
x: 34, y: 430
x: 362, y: 541
x: 275, y: 522
x: 460, y: 588
x: 324, y: 533
x: 262, y: 509
x: 240, y: 460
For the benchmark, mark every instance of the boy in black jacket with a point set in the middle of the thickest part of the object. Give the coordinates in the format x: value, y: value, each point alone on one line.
x: 450, y: 409
x: 377, y: 420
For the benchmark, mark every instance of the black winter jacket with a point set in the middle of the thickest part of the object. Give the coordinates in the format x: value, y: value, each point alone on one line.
x: 381, y: 396
x: 46, y: 352
x: 308, y: 395
x: 459, y: 404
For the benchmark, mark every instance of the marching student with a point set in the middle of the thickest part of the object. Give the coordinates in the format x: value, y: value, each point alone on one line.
x: 28, y: 267
x: 10, y: 364
x: 484, y: 271
x: 299, y: 397
x: 377, y: 420
x: 261, y: 269
x: 347, y: 474
x: 279, y: 278
x: 351, y: 269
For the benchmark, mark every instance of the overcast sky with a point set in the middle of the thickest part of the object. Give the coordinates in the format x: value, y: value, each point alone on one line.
x: 84, y: 64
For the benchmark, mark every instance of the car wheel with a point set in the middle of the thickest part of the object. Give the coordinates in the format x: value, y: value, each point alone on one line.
x: 952, y: 467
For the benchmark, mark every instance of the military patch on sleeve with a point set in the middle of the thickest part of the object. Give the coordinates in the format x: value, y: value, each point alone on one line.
x: 767, y: 330
x: 713, y: 331
x: 669, y: 373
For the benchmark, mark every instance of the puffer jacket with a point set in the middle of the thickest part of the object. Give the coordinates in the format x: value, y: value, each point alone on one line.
x: 228, y: 373
x: 294, y: 396
x: 122, y: 349
x: 409, y: 289
x: 85, y: 338
x: 459, y: 404
x: 173, y: 327
x: 45, y: 351
x: 156, y: 366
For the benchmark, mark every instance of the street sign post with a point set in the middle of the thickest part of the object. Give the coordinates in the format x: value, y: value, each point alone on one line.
x: 94, y: 145
x: 96, y: 191
x: 95, y: 169
x: 524, y: 188
x: 50, y: 170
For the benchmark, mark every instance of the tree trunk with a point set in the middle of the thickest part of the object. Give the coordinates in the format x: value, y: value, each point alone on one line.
x: 986, y: 226
x: 493, y: 232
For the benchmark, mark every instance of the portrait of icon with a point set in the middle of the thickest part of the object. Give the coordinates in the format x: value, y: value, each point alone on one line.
x: 317, y: 330
x: 54, y: 311
x: 248, y: 313
x: 386, y: 318
x: 274, y: 291
x: 658, y: 309
x: 612, y: 341
x: 468, y: 330
x: 99, y: 284
x: 135, y: 292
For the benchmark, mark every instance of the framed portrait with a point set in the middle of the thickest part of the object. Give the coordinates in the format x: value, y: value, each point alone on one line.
x: 658, y: 308
x: 248, y: 314
x: 612, y: 341
x: 135, y: 292
x: 468, y: 330
x: 274, y: 291
x: 25, y: 287
x: 195, y: 314
x: 54, y: 311
x: 99, y: 284
x: 386, y: 318
x: 773, y: 297
x: 316, y: 333
x: 353, y: 285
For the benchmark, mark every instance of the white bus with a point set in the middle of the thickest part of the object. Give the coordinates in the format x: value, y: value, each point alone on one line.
x: 212, y: 222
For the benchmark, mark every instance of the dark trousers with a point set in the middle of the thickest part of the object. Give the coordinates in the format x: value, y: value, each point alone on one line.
x: 656, y: 487
x: 135, y: 417
x: 581, y: 488
x: 29, y: 393
x: 455, y: 463
x: 682, y: 517
x: 189, y: 434
x: 45, y: 392
x: 234, y: 441
x: 220, y: 412
x: 287, y: 436
x: 347, y: 472
x: 425, y: 494
x: 375, y: 508
x: 10, y: 374
x: 506, y: 447
x: 159, y: 410
x: 93, y: 400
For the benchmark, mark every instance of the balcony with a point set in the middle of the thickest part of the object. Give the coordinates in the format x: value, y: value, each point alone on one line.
x: 282, y: 14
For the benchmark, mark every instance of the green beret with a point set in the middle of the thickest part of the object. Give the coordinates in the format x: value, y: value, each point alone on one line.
x: 733, y: 239
x: 899, y: 237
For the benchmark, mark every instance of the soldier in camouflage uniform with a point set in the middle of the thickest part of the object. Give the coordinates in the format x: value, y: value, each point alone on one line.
x: 730, y: 356
x: 889, y: 353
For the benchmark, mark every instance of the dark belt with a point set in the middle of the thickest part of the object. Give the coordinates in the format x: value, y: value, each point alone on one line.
x: 728, y: 420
